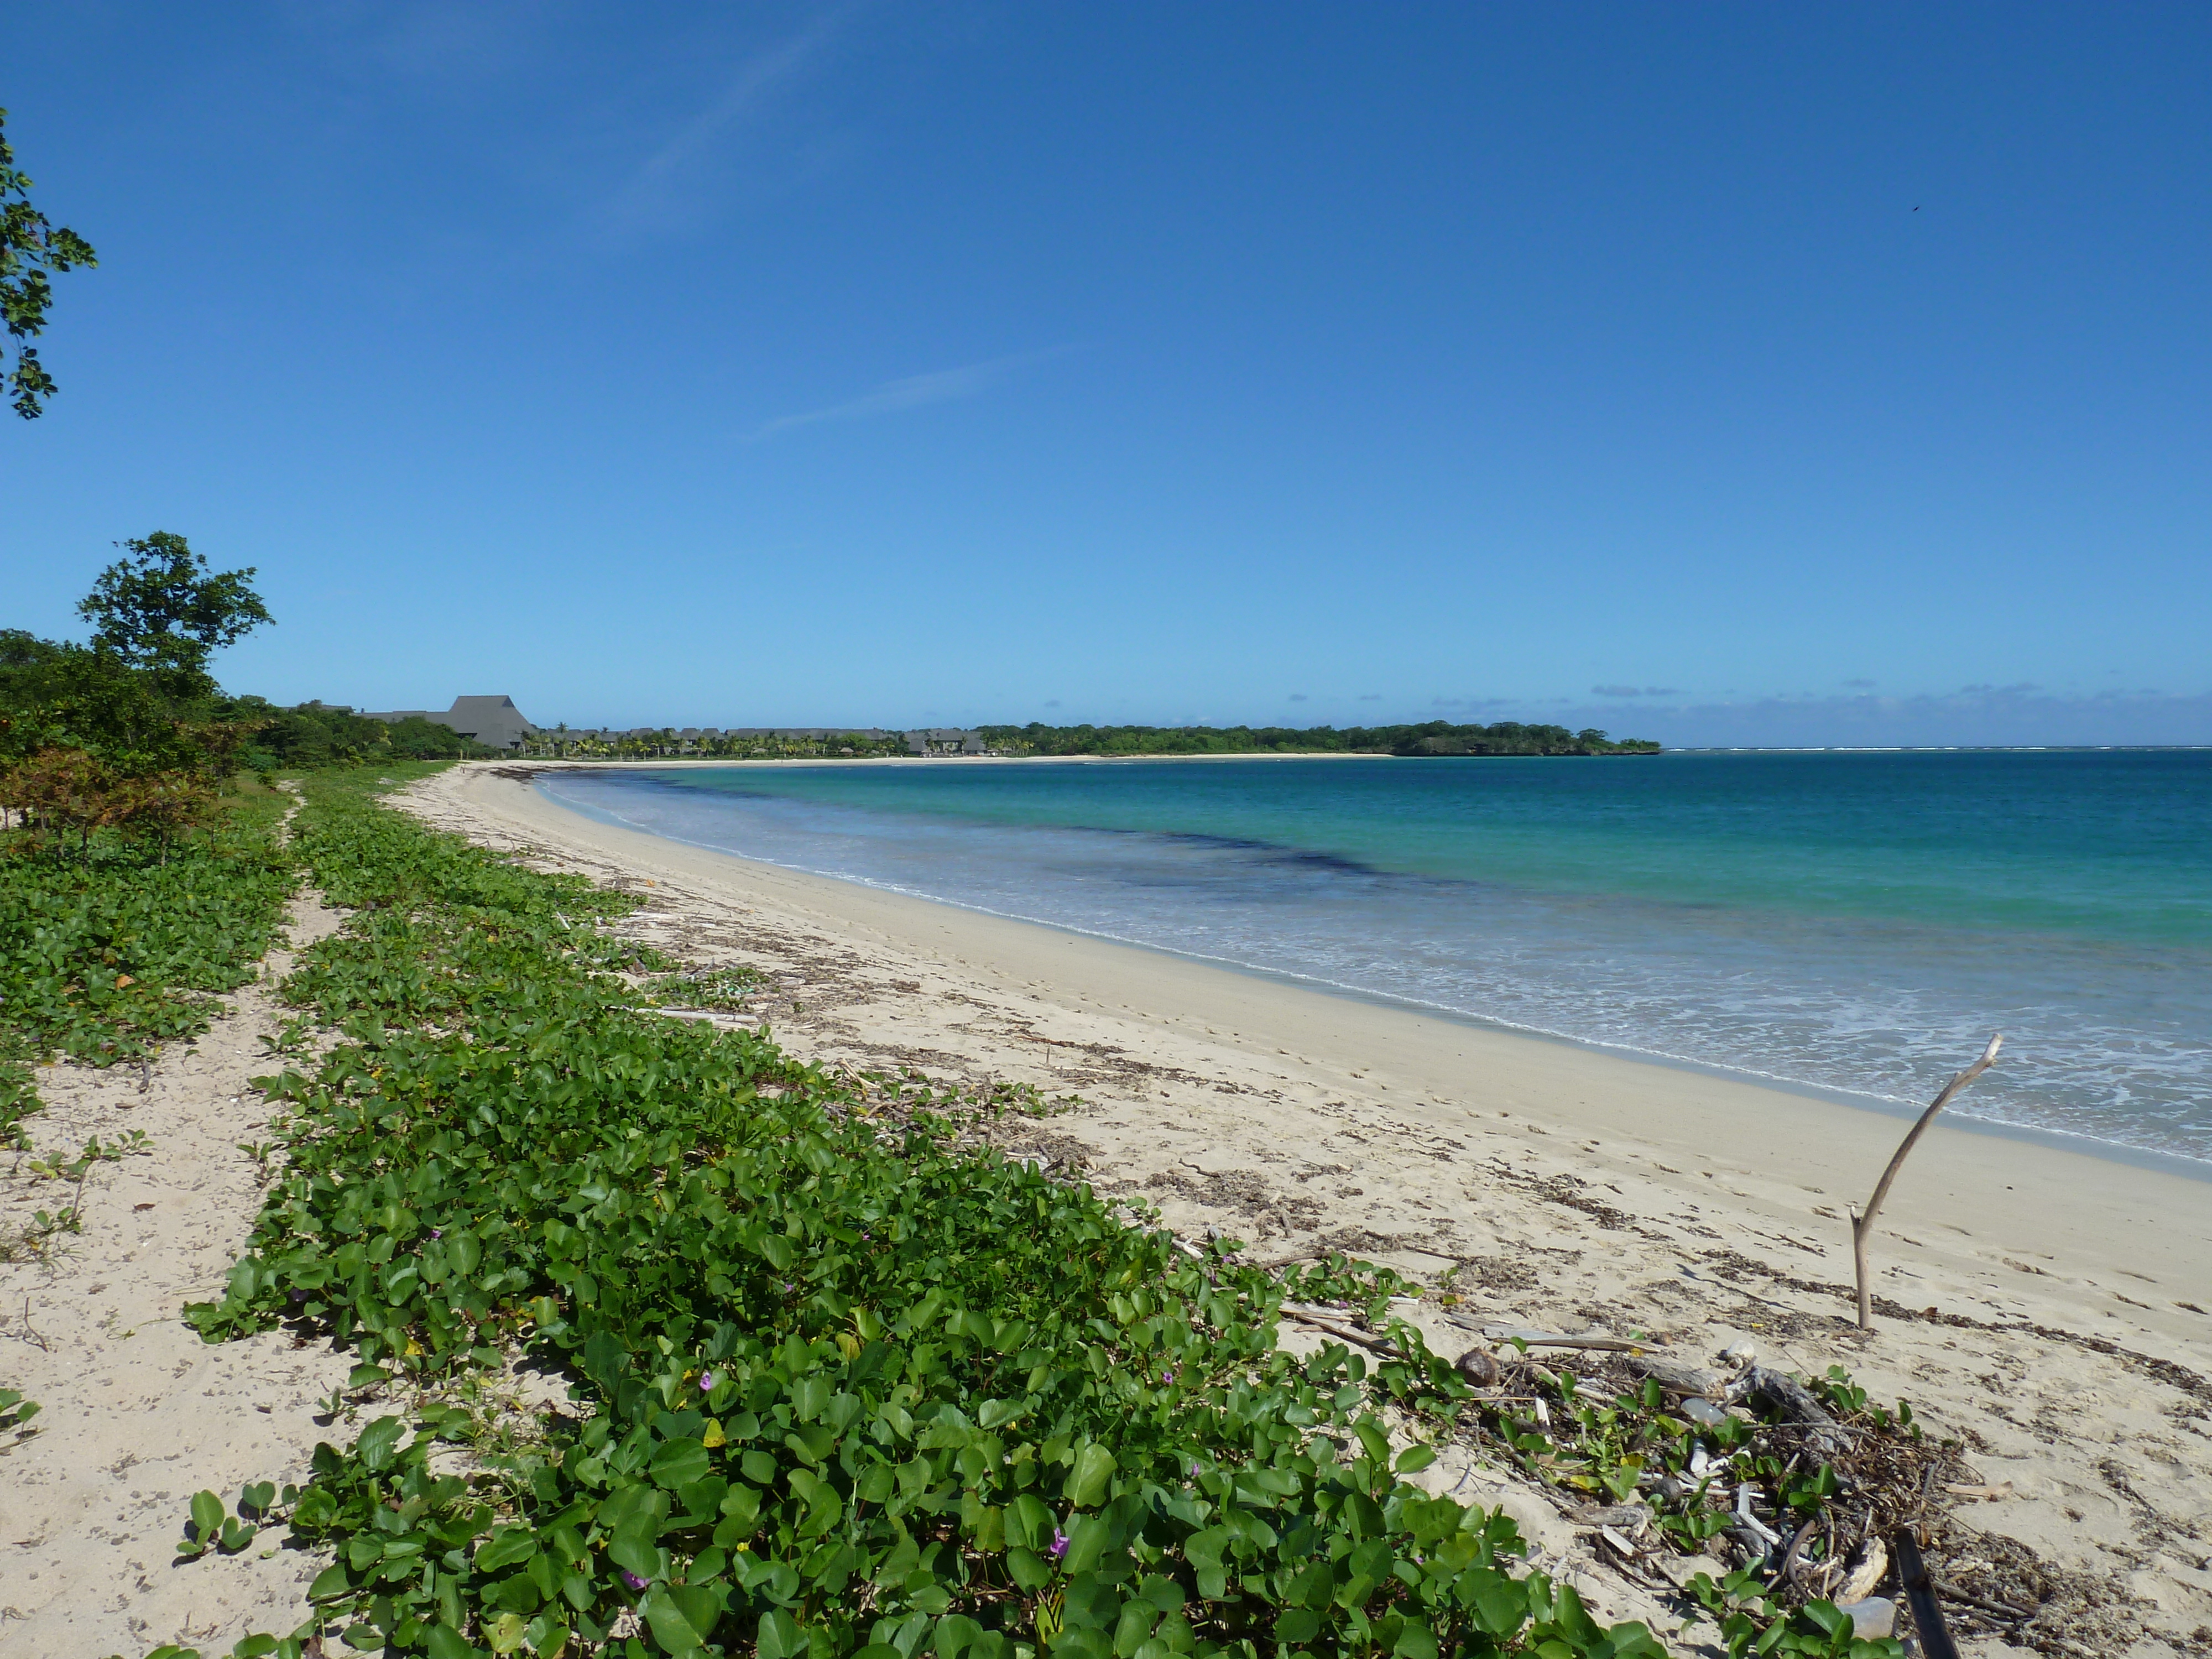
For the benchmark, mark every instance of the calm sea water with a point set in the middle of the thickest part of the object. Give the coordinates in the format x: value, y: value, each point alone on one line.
x: 1856, y: 924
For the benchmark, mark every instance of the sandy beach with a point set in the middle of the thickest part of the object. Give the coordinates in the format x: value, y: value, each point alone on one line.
x: 2046, y: 1307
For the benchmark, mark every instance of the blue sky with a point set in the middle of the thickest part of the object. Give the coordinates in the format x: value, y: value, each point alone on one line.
x: 1715, y: 373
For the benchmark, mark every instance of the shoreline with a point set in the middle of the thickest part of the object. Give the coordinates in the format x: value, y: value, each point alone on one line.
x: 995, y: 760
x: 1812, y: 1145
x: 1895, y: 1110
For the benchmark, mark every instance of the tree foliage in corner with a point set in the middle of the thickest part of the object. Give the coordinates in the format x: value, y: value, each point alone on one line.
x: 31, y: 247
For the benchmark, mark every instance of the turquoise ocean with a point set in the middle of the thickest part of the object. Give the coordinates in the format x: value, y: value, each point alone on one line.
x: 1851, y: 925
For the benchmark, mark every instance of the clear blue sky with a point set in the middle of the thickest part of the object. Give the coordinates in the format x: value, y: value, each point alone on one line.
x: 1811, y: 373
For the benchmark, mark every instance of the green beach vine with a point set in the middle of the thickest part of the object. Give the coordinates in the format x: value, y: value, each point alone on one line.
x: 813, y: 1373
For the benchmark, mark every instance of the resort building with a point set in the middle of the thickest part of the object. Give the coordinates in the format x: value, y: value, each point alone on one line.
x: 493, y: 721
x: 943, y: 740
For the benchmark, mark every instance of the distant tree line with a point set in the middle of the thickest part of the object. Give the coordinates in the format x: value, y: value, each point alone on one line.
x: 667, y: 742
x: 1429, y: 739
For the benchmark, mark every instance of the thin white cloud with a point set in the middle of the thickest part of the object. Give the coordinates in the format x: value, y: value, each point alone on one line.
x: 755, y: 77
x: 654, y: 189
x: 942, y: 386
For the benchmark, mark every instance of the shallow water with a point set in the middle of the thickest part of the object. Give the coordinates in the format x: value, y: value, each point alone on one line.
x: 1855, y: 924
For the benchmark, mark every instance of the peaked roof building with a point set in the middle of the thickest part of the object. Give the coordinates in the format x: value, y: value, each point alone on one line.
x: 494, y: 721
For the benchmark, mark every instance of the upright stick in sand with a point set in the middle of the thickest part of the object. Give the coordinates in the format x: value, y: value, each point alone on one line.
x: 1864, y: 1225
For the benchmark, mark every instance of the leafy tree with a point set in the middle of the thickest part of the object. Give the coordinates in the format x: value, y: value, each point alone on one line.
x: 30, y: 247
x: 162, y: 608
x: 137, y: 702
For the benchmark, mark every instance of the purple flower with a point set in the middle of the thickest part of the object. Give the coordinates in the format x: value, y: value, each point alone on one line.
x: 786, y: 1287
x: 1059, y: 1543
x: 705, y: 1380
x: 437, y: 1232
x: 632, y: 1580
x: 1168, y: 1375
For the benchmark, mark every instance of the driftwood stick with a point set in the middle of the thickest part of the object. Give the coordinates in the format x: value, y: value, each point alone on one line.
x: 1796, y: 1403
x: 1338, y: 1328
x: 1862, y: 1224
x: 1545, y: 1340
x: 1691, y: 1382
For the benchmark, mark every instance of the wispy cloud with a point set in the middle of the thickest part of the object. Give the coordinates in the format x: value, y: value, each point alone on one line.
x: 654, y: 187
x: 942, y: 386
x: 1635, y: 691
x: 754, y: 78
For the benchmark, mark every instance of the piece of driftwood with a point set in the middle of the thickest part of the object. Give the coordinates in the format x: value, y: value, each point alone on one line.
x: 1920, y: 1594
x: 1677, y: 1377
x: 1620, y: 1546
x: 2001, y: 1609
x: 1796, y: 1402
x: 1338, y: 1328
x: 1548, y: 1340
x: 1747, y: 1522
x: 1633, y: 1519
x: 1862, y: 1224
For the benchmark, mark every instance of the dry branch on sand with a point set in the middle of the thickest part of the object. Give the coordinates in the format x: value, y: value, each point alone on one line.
x: 1862, y: 1224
